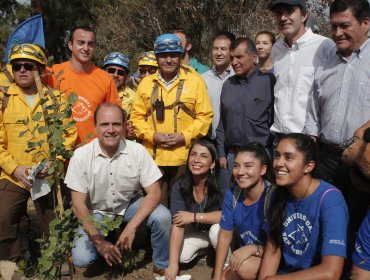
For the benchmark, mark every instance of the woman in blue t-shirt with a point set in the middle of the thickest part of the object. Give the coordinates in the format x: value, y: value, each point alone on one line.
x: 243, y: 213
x: 361, y: 255
x: 308, y: 217
x: 195, y: 207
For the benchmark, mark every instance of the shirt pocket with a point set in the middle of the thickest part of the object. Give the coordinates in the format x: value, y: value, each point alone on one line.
x: 14, y: 124
x: 363, y: 95
x: 256, y: 109
x: 188, y: 101
x: 128, y: 184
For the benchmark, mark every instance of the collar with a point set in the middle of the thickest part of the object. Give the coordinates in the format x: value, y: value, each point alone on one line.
x: 160, y: 78
x: 247, y: 78
x: 99, y: 152
x: 360, y: 52
x: 302, y: 41
x: 217, y: 74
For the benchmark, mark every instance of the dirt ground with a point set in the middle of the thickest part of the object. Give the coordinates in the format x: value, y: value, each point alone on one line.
x: 201, y: 269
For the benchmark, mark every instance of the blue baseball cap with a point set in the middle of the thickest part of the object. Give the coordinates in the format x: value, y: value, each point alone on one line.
x: 301, y: 3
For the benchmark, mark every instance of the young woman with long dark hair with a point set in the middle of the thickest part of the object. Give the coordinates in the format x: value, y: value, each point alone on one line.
x: 195, y: 207
x: 243, y: 213
x: 307, y: 220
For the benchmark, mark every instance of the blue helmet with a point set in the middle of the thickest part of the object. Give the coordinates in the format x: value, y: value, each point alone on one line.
x: 116, y: 58
x: 166, y: 43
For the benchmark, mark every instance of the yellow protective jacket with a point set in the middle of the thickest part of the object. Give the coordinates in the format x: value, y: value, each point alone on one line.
x: 194, y: 96
x: 13, y: 147
x: 127, y: 96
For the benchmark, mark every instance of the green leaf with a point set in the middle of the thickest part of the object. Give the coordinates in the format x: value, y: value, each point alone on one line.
x: 36, y: 117
x: 22, y: 133
x: 42, y: 129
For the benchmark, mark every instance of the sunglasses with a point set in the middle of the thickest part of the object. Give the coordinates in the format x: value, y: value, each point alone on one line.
x: 120, y: 72
x: 27, y: 66
x: 167, y: 45
x: 145, y: 70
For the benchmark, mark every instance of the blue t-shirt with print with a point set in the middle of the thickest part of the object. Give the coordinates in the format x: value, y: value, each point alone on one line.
x: 361, y: 255
x: 315, y: 226
x: 247, y: 221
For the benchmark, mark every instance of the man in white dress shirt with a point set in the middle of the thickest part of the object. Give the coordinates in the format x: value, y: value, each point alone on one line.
x: 106, y: 177
x: 296, y: 57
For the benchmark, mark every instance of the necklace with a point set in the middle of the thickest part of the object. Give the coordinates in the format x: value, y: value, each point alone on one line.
x: 296, y: 205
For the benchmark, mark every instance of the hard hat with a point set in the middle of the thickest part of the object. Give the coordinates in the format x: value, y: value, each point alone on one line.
x: 148, y: 58
x: 28, y: 51
x: 166, y: 43
x: 116, y: 58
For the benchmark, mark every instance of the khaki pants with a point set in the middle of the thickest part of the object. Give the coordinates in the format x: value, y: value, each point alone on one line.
x: 14, y: 220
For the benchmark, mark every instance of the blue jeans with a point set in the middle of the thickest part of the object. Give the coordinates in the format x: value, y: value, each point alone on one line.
x: 159, y: 222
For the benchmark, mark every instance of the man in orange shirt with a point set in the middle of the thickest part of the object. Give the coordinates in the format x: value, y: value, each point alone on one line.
x: 93, y: 85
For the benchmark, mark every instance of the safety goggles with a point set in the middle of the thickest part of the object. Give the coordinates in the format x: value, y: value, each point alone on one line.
x: 144, y: 70
x: 26, y: 49
x: 28, y: 66
x: 118, y: 56
x: 167, y: 45
x: 146, y: 57
x: 119, y: 72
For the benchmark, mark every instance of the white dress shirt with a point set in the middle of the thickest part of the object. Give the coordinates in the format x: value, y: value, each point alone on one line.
x: 111, y: 183
x: 295, y: 67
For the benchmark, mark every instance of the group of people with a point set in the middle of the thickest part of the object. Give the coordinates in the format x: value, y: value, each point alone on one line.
x: 263, y: 156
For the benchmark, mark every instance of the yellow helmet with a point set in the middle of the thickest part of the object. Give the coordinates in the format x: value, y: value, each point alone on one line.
x: 148, y: 58
x: 28, y: 51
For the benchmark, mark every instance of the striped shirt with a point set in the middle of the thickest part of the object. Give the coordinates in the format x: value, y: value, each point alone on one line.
x: 341, y: 99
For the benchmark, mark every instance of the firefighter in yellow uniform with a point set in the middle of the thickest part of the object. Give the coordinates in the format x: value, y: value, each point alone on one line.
x: 171, y: 109
x: 20, y: 106
x: 117, y: 65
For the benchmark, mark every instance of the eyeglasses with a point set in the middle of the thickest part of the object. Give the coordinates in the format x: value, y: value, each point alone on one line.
x: 27, y: 49
x: 28, y: 66
x: 120, y: 72
x: 167, y: 45
x: 150, y: 70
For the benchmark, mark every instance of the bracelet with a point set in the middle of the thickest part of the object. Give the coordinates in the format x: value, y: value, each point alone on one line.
x: 195, y: 215
x: 257, y: 250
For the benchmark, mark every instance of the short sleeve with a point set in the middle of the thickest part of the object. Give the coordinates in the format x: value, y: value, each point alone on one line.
x: 177, y: 202
x: 76, y: 177
x: 227, y: 218
x: 334, y: 221
x: 361, y: 255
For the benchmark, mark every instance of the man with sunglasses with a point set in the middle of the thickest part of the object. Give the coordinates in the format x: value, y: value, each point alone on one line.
x: 147, y: 64
x: 171, y: 109
x: 117, y: 65
x: 19, y: 108
x: 93, y: 85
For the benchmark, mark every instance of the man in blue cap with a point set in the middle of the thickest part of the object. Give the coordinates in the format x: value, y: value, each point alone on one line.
x: 171, y: 109
x: 117, y: 65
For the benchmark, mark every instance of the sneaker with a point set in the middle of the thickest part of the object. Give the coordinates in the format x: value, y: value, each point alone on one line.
x: 158, y: 271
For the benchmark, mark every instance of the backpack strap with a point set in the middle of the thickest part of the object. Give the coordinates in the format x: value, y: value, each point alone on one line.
x: 236, y: 194
x: 270, y: 191
x: 7, y: 74
x: 325, y: 193
x: 4, y: 98
x: 175, y: 111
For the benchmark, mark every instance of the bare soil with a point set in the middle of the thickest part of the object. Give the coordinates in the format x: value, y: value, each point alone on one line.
x: 200, y: 269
